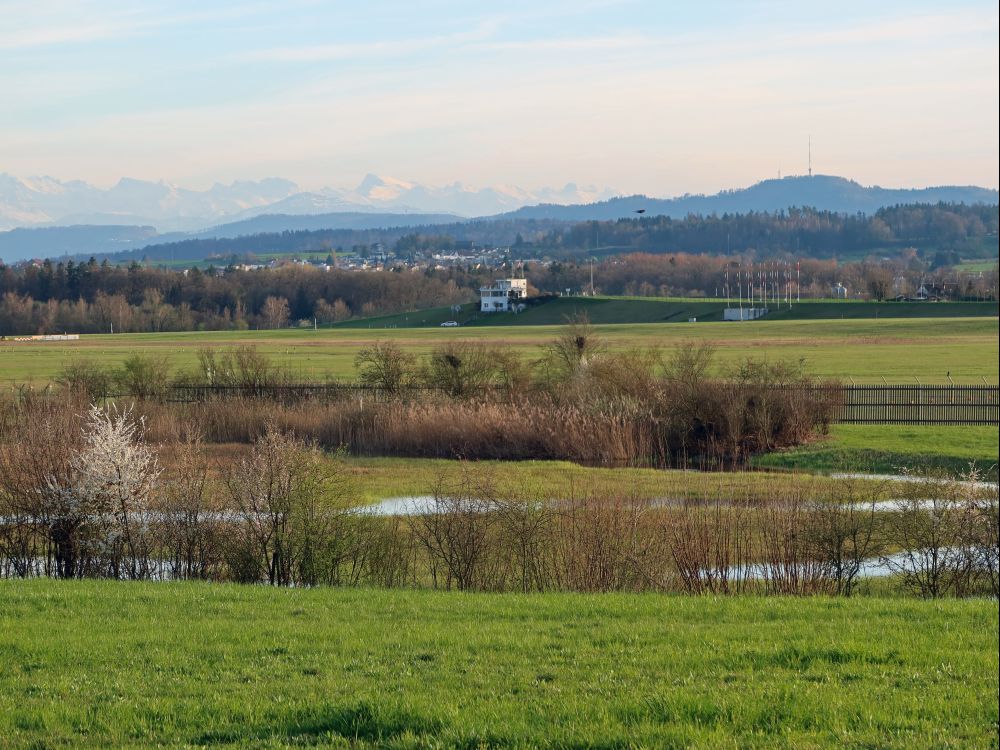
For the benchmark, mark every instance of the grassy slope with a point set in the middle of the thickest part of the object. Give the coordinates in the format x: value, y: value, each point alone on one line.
x: 886, y: 448
x: 863, y: 349
x: 977, y: 266
x: 100, y: 664
x: 602, y: 310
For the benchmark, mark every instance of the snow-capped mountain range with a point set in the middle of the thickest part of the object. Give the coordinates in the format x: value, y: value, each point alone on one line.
x: 45, y: 201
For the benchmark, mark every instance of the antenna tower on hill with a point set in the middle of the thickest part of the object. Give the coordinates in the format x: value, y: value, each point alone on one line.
x: 810, y: 156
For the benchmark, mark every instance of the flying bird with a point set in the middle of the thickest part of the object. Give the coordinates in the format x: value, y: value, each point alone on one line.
x: 640, y: 210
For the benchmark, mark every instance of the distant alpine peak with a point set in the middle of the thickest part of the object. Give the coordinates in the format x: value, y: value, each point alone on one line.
x: 382, y: 189
x: 46, y: 201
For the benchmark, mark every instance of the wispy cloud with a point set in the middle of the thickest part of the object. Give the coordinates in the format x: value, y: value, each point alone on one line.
x: 524, y: 91
x: 47, y: 36
x: 32, y: 25
x: 372, y: 49
x: 575, y: 44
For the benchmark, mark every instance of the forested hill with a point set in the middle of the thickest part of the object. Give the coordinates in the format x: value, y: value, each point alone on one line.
x: 835, y: 194
x: 970, y: 231
x: 102, y: 241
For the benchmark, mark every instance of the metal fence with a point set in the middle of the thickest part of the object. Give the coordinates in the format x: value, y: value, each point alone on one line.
x: 919, y: 404
x: 852, y: 404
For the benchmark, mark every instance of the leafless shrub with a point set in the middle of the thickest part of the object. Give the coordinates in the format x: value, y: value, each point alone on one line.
x: 788, y: 561
x: 608, y: 544
x: 525, y: 538
x: 455, y: 532
x: 979, y: 533
x: 87, y: 378
x: 384, y: 553
x: 983, y: 532
x: 289, y: 503
x: 190, y: 529
x: 144, y: 376
x: 461, y: 369
x: 841, y: 531
x: 930, y: 527
x: 569, y: 355
x: 711, y: 545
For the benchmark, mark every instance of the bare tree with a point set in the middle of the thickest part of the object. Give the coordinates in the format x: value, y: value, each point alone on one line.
x: 384, y: 365
x: 570, y: 354
x: 460, y: 368
x: 331, y: 313
x: 275, y: 312
x: 36, y: 474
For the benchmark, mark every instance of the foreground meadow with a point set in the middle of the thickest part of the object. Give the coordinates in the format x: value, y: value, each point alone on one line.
x: 865, y: 350
x: 102, y: 664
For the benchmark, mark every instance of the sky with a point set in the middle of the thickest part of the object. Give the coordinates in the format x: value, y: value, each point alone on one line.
x: 657, y: 97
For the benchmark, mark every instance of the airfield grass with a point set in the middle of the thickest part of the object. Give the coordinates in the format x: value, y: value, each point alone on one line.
x: 885, y: 449
x: 611, y: 310
x: 126, y: 664
x: 865, y: 350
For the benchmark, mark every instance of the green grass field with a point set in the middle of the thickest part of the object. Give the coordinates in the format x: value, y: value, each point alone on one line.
x: 374, y: 479
x: 855, y: 448
x: 977, y: 266
x: 887, y: 448
x: 134, y: 665
x: 865, y: 350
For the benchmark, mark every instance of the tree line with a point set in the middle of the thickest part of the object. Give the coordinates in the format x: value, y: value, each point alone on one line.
x: 802, y: 232
x: 94, y: 297
x: 97, y: 297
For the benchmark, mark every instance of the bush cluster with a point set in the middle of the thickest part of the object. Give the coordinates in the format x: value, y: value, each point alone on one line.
x: 83, y: 494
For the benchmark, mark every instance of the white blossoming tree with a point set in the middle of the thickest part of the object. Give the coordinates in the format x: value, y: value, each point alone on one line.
x: 112, y: 478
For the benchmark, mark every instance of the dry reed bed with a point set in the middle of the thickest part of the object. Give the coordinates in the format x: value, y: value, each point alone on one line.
x: 724, y: 431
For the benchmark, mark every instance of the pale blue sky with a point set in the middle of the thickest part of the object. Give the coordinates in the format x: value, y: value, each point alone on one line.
x: 657, y: 97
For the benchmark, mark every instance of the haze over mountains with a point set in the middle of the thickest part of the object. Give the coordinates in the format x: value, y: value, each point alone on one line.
x: 44, y: 201
x: 49, y: 218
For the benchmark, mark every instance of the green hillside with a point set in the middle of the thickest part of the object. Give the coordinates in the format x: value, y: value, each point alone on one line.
x: 605, y: 310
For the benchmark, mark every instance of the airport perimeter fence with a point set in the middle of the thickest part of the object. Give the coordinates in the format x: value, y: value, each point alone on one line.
x: 919, y: 404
